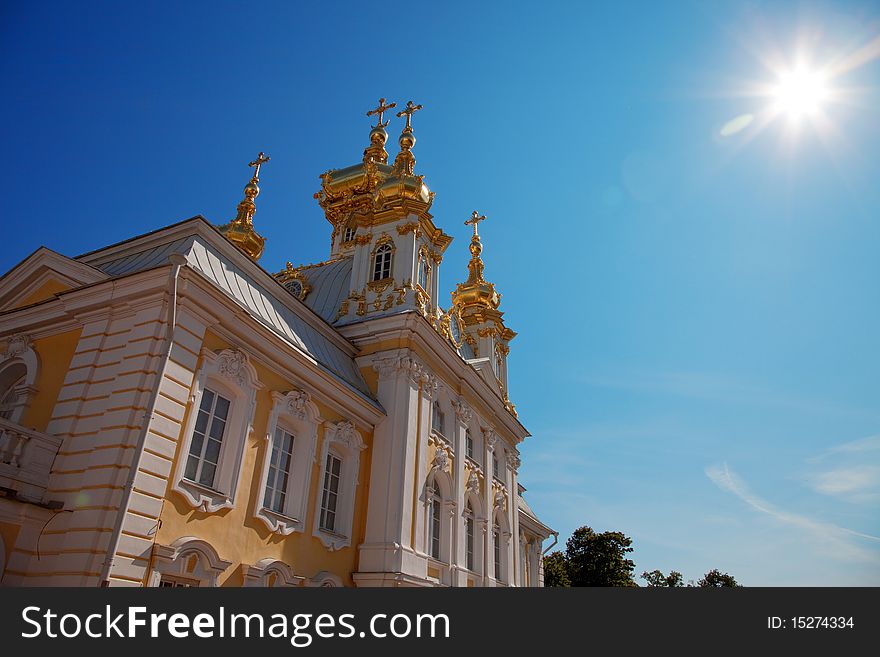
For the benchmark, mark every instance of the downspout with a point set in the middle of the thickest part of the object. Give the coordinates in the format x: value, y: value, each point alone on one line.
x: 553, y: 544
x: 177, y: 261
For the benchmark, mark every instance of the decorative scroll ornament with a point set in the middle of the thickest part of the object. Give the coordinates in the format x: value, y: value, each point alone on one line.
x: 231, y: 364
x: 491, y: 438
x: 348, y: 435
x: 473, y: 483
x: 462, y: 411
x: 500, y: 498
x: 513, y: 460
x: 296, y: 403
x: 441, y: 460
x: 18, y: 344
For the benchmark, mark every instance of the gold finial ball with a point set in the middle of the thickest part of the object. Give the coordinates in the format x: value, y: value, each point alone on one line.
x: 251, y: 190
x: 378, y: 135
x: 407, y: 140
x: 476, y: 247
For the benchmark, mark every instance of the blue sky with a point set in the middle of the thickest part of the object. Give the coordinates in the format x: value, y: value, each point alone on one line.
x: 698, y: 313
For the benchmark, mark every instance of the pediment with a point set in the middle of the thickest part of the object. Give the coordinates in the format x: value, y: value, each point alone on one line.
x: 42, y: 275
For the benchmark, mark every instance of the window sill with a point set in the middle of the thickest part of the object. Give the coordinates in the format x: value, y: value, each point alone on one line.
x: 202, y: 497
x: 332, y: 540
x: 278, y: 523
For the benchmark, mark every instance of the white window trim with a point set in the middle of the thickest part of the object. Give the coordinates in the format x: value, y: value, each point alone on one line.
x: 257, y: 575
x: 20, y: 351
x: 230, y: 373
x: 172, y: 560
x: 440, y: 481
x: 295, y: 413
x: 480, y: 524
x: 346, y: 443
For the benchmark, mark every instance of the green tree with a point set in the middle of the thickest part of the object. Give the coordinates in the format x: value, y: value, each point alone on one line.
x: 556, y: 570
x: 715, y: 578
x: 599, y: 559
x: 655, y: 578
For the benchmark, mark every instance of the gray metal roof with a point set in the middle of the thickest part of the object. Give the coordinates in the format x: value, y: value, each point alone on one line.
x: 221, y: 271
x: 331, y: 284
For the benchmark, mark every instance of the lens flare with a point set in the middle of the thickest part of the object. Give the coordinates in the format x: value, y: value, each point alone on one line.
x: 800, y: 92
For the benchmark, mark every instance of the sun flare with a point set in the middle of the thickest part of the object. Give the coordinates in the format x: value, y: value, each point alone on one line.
x: 800, y: 92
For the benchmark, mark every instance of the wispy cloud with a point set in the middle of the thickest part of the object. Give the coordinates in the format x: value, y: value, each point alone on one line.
x: 850, y: 471
x: 715, y: 387
x: 830, y: 538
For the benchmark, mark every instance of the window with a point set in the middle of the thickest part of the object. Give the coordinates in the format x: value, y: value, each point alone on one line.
x: 170, y: 582
x: 437, y: 418
x: 340, y: 464
x: 435, y: 527
x: 9, y: 398
x: 424, y: 273
x: 187, y: 562
x: 295, y: 287
x: 291, y: 437
x: 330, y: 496
x: 207, y: 439
x: 468, y: 443
x: 19, y: 366
x: 279, y: 471
x: 382, y: 263
x: 469, y: 536
x: 348, y: 235
x: 496, y: 543
x: 495, y: 471
x: 218, y: 423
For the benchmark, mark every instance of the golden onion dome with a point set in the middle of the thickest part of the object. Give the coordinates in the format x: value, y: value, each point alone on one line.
x: 398, y: 188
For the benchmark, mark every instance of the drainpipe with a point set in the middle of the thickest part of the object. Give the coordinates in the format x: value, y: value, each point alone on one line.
x: 553, y: 544
x: 177, y: 261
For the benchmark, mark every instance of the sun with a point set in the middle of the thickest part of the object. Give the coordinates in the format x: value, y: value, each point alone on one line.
x: 800, y: 92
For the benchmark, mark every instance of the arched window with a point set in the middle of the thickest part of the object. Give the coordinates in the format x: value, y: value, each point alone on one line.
x: 436, y: 504
x: 437, y: 418
x: 349, y: 233
x: 424, y: 273
x: 295, y: 287
x: 470, y: 538
x: 19, y: 367
x: 496, y: 544
x: 382, y: 263
x: 11, y: 380
x: 468, y: 443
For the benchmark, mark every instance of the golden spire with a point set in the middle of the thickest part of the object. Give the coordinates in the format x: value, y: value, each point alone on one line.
x: 378, y: 136
x: 476, y: 291
x: 240, y: 231
x: 405, y: 162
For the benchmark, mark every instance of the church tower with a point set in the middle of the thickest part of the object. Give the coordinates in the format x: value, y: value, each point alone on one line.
x: 381, y: 220
x: 476, y: 302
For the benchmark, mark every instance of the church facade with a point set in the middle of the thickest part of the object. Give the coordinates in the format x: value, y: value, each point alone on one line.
x: 172, y: 414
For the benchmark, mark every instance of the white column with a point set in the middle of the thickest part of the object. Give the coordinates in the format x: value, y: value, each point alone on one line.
x: 392, y: 476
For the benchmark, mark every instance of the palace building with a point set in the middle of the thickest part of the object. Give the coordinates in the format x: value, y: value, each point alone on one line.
x: 172, y: 414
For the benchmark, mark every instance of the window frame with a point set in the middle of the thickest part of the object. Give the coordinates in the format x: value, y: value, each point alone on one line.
x: 230, y: 373
x: 379, y: 272
x: 20, y: 354
x: 345, y: 442
x: 295, y: 413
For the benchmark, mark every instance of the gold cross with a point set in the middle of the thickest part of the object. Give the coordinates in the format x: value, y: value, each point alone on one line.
x: 260, y: 161
x: 409, y: 111
x: 476, y: 218
x: 380, y: 111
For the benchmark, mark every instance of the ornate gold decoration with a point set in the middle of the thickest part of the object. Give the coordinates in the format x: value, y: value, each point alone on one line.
x: 380, y: 286
x: 240, y: 231
x: 360, y: 240
x: 289, y: 276
x: 389, y: 302
x: 411, y: 227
